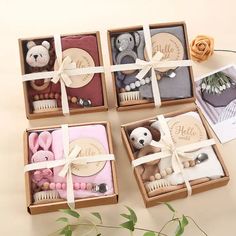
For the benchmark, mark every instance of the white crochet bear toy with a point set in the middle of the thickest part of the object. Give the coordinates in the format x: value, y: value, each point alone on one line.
x: 38, y: 55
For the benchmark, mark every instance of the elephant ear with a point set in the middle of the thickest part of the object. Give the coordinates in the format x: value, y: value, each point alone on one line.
x: 137, y: 38
x: 113, y: 45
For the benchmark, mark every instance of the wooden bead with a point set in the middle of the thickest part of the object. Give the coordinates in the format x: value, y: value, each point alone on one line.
x: 169, y: 170
x: 36, y: 97
x: 157, y: 176
x: 51, y: 95
x: 192, y: 163
x: 74, y: 99
x: 89, y: 186
x: 122, y: 90
x: 57, y: 96
x: 45, y: 186
x: 186, y: 164
x: 41, y: 96
x: 46, y: 95
x: 163, y: 173
x: 152, y: 178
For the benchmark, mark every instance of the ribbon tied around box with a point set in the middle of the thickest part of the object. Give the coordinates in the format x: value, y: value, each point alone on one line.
x: 177, y: 154
x: 67, y: 68
x: 69, y: 159
x: 155, y: 62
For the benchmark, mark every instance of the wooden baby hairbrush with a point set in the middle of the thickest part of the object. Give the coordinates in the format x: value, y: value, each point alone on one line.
x: 131, y: 98
x: 46, y: 196
x: 161, y: 186
x: 45, y: 105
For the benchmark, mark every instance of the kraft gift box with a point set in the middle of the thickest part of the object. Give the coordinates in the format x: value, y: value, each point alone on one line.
x: 168, y: 87
x: 182, y: 192
x: 87, y: 96
x: 82, y: 199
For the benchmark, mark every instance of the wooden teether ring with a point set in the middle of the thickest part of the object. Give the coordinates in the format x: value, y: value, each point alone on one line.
x: 127, y: 54
x: 40, y: 87
x: 149, y: 150
x: 83, y: 60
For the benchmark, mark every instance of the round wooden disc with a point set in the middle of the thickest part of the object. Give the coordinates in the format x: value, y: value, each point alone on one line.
x: 82, y: 60
x: 90, y: 147
x: 186, y: 129
x: 169, y: 45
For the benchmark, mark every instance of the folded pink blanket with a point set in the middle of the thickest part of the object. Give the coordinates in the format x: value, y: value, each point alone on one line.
x: 97, y: 132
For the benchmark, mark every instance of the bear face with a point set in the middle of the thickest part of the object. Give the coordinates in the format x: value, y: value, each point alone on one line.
x: 38, y: 55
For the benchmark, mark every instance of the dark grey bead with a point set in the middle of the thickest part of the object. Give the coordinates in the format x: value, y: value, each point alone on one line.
x: 102, y: 188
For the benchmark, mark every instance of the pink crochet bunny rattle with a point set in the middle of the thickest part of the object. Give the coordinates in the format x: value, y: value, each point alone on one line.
x: 43, y: 140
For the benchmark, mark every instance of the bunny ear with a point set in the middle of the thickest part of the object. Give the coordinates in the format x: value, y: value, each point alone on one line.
x: 45, y: 140
x: 33, y: 142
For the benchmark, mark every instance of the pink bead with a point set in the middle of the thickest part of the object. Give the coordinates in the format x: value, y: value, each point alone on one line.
x: 52, y: 186
x: 63, y: 186
x: 83, y: 186
x: 76, y: 186
x: 89, y: 186
x: 58, y: 186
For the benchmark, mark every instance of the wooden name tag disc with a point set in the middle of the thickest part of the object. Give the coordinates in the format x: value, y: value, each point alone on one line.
x: 82, y: 59
x: 186, y: 129
x: 90, y: 147
x: 169, y: 45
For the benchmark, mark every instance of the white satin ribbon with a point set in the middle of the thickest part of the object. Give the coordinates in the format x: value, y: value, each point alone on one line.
x: 153, y: 64
x: 67, y: 68
x: 66, y: 163
x: 178, y: 154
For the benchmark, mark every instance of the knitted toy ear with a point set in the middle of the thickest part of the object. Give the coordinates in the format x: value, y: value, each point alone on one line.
x: 30, y: 44
x: 45, y: 140
x: 46, y: 44
x: 33, y: 142
x: 156, y: 134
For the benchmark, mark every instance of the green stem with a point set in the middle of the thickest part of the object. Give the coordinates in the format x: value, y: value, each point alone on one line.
x: 197, y: 225
x: 112, y: 227
x: 164, y: 226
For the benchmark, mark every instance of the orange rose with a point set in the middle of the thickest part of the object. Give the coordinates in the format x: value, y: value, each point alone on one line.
x: 201, y: 48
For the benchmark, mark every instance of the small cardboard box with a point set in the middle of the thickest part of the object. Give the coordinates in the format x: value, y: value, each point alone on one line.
x: 28, y: 106
x: 181, y: 193
x: 79, y: 203
x: 164, y: 102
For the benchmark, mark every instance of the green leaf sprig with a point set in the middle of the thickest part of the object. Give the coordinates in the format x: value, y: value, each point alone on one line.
x: 95, y: 223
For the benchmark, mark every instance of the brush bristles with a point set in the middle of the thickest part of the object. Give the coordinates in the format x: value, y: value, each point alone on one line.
x: 129, y: 96
x: 46, y: 195
x: 156, y: 184
x: 44, y: 104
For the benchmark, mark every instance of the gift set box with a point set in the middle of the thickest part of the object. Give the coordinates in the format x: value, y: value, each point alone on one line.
x: 183, y: 159
x: 69, y: 165
x: 161, y: 52
x: 62, y: 74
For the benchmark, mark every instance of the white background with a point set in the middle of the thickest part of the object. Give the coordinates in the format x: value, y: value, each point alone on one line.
x: 214, y: 210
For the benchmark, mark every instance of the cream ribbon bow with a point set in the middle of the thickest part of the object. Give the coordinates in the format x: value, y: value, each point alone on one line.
x: 61, y: 75
x: 177, y: 154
